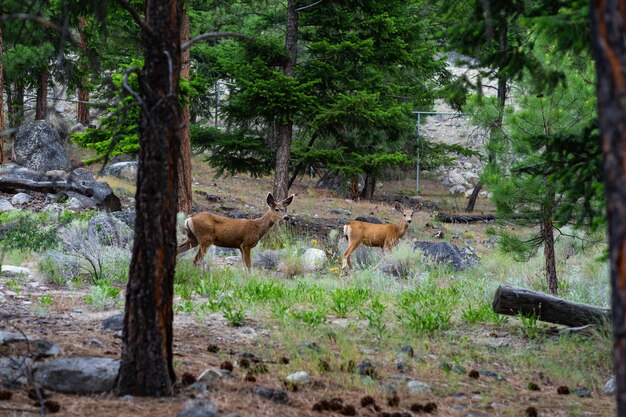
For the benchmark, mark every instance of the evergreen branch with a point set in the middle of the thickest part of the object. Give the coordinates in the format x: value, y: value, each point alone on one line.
x: 135, y: 16
x: 216, y: 35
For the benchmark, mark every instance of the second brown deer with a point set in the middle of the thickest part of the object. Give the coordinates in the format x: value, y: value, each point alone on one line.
x: 376, y: 235
x: 205, y: 229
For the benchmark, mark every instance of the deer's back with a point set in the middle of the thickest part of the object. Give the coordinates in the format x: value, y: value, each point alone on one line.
x: 370, y: 234
x: 224, y: 231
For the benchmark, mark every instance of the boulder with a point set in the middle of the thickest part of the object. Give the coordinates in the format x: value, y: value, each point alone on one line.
x: 443, y: 252
x: 198, y: 408
x: 103, y: 195
x: 20, y: 198
x: 5, y: 205
x: 38, y: 146
x: 297, y: 378
x: 314, y: 259
x: 610, y: 386
x: 471, y: 177
x: 12, y: 371
x: 108, y: 230
x: 455, y: 178
x: 457, y: 189
x: 10, y: 271
x: 77, y: 375
x: 123, y: 170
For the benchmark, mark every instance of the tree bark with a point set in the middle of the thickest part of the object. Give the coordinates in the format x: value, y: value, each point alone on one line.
x: 285, y: 129
x: 513, y: 301
x: 41, y: 107
x: 10, y: 185
x: 82, y: 109
x: 465, y: 218
x: 146, y: 367
x: 367, y: 193
x: 609, y: 48
x: 1, y: 100
x: 550, y: 259
x: 16, y: 105
x: 184, y: 163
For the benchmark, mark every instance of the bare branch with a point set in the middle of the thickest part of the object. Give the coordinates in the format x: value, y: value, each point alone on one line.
x: 128, y: 88
x: 136, y: 17
x: 215, y: 35
x: 170, y: 67
x: 309, y: 6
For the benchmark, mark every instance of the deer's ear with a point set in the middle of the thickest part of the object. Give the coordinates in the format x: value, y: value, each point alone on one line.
x: 398, y: 206
x: 270, y: 200
x: 288, y: 201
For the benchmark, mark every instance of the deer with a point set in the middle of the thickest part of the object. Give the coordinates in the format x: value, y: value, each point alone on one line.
x: 205, y: 229
x: 383, y: 236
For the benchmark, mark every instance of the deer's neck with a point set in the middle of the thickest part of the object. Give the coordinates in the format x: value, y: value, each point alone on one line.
x: 401, y: 228
x: 265, y: 222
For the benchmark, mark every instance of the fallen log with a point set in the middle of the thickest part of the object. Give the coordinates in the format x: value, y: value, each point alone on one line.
x: 465, y: 218
x: 10, y: 185
x: 514, y: 300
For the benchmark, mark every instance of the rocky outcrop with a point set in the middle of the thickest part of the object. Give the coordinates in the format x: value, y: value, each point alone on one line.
x: 38, y: 146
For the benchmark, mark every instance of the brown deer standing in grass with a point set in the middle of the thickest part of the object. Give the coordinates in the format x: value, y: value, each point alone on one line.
x: 206, y: 229
x: 376, y: 235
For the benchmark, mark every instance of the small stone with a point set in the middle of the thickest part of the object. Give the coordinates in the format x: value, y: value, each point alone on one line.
x: 341, y: 212
x: 582, y: 392
x: 6, y: 205
x: 115, y: 322
x: 407, y: 350
x: 276, y: 395
x: 199, y: 408
x: 418, y: 387
x: 609, y: 386
x: 209, y: 376
x: 401, y: 365
x: 297, y: 378
x: 20, y: 198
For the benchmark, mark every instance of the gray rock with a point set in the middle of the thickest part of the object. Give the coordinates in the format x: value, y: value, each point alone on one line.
x: 103, y: 197
x: 5, y: 205
x: 314, y: 259
x: 198, y: 408
x: 341, y: 212
x: 582, y: 392
x: 277, y: 395
x: 609, y: 386
x: 123, y: 170
x: 10, y: 271
x: 45, y: 349
x: 115, y: 322
x: 491, y: 374
x: 407, y: 350
x: 108, y: 230
x: 457, y: 189
x: 77, y: 128
x: 418, y: 387
x: 297, y: 378
x: 77, y: 375
x: 209, y: 376
x: 10, y: 337
x: 12, y: 371
x: 443, y: 252
x: 38, y: 146
x: 401, y: 365
x: 369, y: 219
x: 20, y: 198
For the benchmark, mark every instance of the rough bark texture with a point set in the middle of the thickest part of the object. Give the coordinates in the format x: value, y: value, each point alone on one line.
x: 513, y: 300
x: 82, y: 109
x: 367, y: 193
x: 184, y: 162
x: 146, y: 367
x: 609, y: 48
x: 1, y: 101
x: 548, y: 252
x: 284, y: 131
x: 16, y: 105
x: 11, y: 185
x: 41, y: 106
x: 465, y: 218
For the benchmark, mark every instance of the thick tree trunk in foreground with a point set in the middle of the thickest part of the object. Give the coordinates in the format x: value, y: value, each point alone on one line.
x: 284, y: 131
x: 513, y: 300
x: 146, y: 368
x: 609, y: 48
x: 184, y: 163
x: 41, y: 106
x: 1, y: 101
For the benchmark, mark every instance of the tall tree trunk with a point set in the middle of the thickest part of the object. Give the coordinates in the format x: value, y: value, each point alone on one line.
x: 1, y: 100
x: 367, y: 193
x: 82, y: 109
x: 41, y: 107
x: 548, y: 252
x: 146, y: 368
x: 285, y: 129
x: 16, y: 105
x: 609, y: 47
x: 502, y: 93
x: 184, y: 162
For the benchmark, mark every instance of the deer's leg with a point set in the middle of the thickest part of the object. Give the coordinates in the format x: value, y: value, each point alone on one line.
x: 185, y: 246
x: 346, y: 255
x: 245, y: 257
x: 198, y: 259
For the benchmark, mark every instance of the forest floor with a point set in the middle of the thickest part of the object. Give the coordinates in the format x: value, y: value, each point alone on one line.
x: 476, y: 365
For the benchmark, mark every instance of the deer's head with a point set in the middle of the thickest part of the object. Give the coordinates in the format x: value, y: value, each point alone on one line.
x: 279, y: 210
x: 407, y: 213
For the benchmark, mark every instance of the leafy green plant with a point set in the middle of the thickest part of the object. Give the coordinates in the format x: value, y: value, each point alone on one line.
x: 184, y: 291
x: 235, y: 316
x: 313, y: 318
x: 26, y: 231
x: 45, y: 300
x: 14, y: 285
x: 482, y: 314
x: 530, y: 325
x: 426, y: 321
x: 345, y: 300
x: 102, y: 295
x: 185, y: 306
x: 374, y: 317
